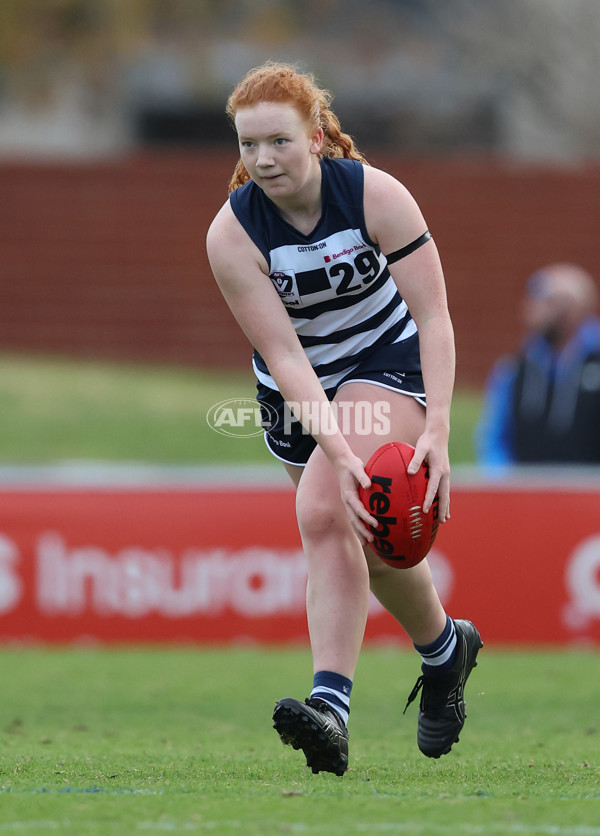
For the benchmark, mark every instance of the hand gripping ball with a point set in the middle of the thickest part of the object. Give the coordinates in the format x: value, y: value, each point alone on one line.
x: 405, y: 534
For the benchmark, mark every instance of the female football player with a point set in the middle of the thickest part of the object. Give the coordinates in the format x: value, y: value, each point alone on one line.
x: 329, y: 269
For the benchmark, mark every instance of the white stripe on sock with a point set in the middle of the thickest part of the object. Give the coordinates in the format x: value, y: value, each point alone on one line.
x: 321, y: 692
x: 443, y: 657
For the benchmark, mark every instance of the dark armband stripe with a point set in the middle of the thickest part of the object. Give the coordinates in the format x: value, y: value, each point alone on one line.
x: 410, y: 248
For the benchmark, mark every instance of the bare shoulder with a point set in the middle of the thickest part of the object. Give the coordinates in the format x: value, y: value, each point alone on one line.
x: 392, y: 214
x: 225, y: 227
x: 383, y: 184
x: 229, y: 246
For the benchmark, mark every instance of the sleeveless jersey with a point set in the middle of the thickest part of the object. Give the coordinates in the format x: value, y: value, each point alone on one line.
x: 334, y: 282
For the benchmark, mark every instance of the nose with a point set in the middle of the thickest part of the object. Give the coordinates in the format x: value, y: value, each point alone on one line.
x: 264, y: 157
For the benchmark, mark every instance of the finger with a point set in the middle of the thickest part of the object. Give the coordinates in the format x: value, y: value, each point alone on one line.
x: 356, y: 507
x: 444, y: 509
x: 447, y: 513
x: 444, y: 500
x: 360, y: 519
x: 364, y: 534
x: 358, y: 510
x: 415, y: 463
x: 363, y: 480
x: 433, y: 485
x: 429, y: 497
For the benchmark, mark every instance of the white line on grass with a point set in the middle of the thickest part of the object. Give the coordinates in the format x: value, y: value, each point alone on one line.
x: 484, y: 829
x: 41, y: 824
x: 411, y: 827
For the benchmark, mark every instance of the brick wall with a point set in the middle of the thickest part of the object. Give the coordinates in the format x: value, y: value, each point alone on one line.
x: 108, y: 260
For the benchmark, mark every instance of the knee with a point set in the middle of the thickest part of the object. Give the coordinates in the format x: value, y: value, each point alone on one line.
x: 319, y: 516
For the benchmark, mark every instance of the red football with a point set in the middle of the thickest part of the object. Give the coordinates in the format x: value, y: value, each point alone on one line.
x: 405, y: 534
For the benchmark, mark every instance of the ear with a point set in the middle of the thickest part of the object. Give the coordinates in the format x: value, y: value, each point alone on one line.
x: 316, y: 143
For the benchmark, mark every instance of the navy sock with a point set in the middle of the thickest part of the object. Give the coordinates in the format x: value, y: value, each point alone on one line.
x: 334, y: 689
x: 439, y: 655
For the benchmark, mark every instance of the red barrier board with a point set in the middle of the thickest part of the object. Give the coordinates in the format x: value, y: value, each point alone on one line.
x: 205, y: 564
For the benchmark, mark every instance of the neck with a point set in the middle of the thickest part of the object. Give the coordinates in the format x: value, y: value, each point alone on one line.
x: 303, y: 209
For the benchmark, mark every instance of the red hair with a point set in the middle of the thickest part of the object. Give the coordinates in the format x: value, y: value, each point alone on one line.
x: 274, y: 82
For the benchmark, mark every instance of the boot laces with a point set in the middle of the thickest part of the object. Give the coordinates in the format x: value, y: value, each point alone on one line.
x: 435, y: 697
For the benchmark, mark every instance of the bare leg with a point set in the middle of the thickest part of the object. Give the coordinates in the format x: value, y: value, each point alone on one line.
x: 337, y: 596
x: 410, y: 596
x: 338, y: 574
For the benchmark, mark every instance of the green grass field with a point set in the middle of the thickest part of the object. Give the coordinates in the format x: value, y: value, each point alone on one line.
x: 180, y: 740
x: 59, y: 409
x: 126, y: 741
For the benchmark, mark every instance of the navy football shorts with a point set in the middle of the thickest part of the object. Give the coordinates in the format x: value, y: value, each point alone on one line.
x: 396, y: 366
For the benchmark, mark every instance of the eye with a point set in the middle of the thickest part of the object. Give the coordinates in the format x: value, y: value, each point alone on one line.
x: 246, y: 143
x: 280, y: 141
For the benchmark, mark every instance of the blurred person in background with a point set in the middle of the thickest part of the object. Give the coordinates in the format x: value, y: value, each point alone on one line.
x: 542, y: 405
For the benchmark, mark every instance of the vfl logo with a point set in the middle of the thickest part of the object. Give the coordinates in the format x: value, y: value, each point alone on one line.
x: 286, y: 286
x: 283, y: 282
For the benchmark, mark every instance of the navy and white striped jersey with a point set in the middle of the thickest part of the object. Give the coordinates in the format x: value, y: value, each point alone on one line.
x: 334, y: 282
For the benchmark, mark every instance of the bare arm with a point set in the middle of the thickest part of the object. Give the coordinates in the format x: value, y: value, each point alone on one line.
x: 394, y: 220
x: 241, y: 273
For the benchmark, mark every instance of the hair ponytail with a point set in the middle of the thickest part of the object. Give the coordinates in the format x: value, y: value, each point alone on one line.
x: 239, y: 177
x: 274, y: 82
x: 337, y: 143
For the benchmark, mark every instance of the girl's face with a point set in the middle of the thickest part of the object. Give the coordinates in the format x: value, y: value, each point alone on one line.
x: 280, y: 152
